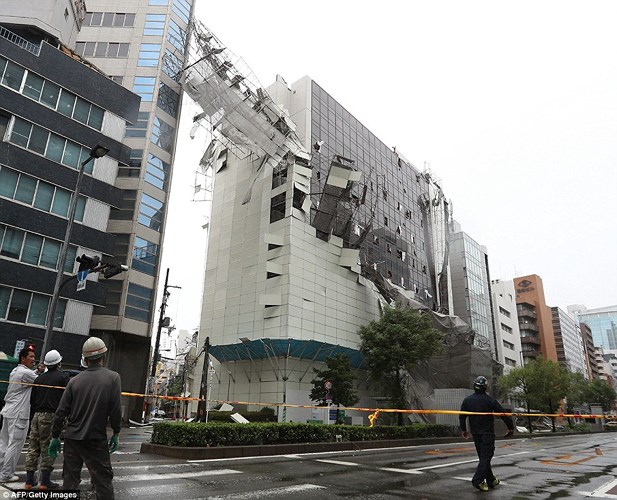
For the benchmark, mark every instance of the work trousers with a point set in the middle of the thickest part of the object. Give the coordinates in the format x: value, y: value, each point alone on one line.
x: 485, y: 447
x: 95, y: 454
x: 38, y: 442
x: 12, y: 438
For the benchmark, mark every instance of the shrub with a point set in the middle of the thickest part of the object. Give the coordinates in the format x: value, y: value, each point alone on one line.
x: 196, y: 434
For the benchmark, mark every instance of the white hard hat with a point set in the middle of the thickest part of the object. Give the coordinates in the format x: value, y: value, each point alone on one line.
x: 94, y: 347
x: 52, y: 358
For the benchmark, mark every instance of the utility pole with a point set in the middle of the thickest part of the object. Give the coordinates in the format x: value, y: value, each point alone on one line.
x: 157, y: 342
x: 202, y: 406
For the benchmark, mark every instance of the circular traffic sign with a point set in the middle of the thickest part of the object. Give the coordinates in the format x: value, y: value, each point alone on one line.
x: 328, y: 385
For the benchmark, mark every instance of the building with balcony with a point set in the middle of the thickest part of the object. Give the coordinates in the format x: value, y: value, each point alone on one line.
x: 590, y: 357
x: 535, y: 319
x: 54, y: 108
x: 506, y: 325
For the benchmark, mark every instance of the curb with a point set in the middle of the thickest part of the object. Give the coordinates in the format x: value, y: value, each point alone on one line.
x: 210, y: 453
x: 201, y: 453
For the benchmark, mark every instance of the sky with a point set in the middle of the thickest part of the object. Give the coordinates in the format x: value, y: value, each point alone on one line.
x: 512, y: 105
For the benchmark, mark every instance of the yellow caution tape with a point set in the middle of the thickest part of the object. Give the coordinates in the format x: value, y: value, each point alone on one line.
x: 374, y: 411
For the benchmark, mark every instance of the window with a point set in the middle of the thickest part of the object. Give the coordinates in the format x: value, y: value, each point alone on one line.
x: 182, y: 8
x: 13, y: 75
x: 151, y: 212
x: 176, y: 36
x: 157, y: 172
x: 508, y: 345
x: 138, y: 302
x: 149, y: 54
x: 144, y: 86
x: 144, y: 256
x: 510, y: 362
x: 133, y: 169
x: 28, y: 190
x: 277, y: 207
x: 162, y: 134
x: 168, y: 100
x: 50, y: 145
x: 279, y: 175
x: 109, y: 19
x: 505, y: 312
x: 140, y: 128
x: 22, y: 306
x: 113, y: 294
x: 506, y: 328
x: 172, y: 65
x: 158, y: 2
x: 127, y: 208
x: 103, y: 49
x: 155, y: 24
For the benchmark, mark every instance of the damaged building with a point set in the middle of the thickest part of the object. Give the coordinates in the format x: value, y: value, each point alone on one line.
x: 316, y: 225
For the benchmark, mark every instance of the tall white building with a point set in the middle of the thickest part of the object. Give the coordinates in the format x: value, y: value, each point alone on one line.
x: 570, y: 348
x: 507, y: 334
x: 315, y: 224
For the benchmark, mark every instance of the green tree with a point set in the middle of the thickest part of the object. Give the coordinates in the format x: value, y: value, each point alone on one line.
x: 338, y: 373
x: 541, y: 385
x: 393, y: 345
x: 602, y: 393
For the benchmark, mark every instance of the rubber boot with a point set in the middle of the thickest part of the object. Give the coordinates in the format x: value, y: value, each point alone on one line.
x: 30, y: 481
x: 46, y: 483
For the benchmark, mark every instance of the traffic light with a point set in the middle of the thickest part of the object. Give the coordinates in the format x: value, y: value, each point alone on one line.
x: 114, y: 269
x: 31, y: 346
x: 88, y: 263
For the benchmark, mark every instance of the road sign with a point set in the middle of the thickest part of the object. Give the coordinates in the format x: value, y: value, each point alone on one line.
x: 19, y: 345
x: 328, y: 385
x: 81, y: 279
x: 332, y: 413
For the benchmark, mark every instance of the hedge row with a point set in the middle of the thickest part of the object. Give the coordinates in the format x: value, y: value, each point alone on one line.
x: 196, y: 434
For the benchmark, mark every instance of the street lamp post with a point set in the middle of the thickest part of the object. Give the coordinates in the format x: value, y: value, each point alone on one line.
x: 97, y: 151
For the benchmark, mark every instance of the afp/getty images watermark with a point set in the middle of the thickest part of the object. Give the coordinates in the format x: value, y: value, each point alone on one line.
x: 41, y: 495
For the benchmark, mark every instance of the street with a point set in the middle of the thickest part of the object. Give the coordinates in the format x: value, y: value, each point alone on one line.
x: 578, y: 466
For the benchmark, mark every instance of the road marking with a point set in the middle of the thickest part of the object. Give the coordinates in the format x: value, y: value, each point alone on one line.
x: 152, y: 467
x: 450, y: 451
x: 601, y: 492
x: 439, y: 466
x: 336, y: 462
x: 270, y: 492
x: 468, y: 479
x: 401, y: 471
x: 175, y: 475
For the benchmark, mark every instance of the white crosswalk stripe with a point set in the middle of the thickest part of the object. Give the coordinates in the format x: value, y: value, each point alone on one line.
x: 269, y: 493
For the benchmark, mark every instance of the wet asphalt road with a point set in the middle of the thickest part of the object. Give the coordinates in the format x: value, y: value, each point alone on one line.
x: 581, y: 466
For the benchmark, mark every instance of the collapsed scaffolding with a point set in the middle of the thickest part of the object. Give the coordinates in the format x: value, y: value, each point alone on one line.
x: 245, y: 121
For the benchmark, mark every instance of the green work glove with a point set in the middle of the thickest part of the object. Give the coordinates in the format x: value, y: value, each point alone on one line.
x: 54, y: 448
x: 113, y: 443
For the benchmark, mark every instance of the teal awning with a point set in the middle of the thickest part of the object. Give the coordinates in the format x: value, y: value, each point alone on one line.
x: 281, y: 348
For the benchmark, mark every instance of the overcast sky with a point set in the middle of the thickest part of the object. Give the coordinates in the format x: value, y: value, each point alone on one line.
x: 513, y: 105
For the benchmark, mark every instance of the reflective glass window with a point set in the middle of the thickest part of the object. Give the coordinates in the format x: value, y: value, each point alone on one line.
x: 44, y: 196
x: 8, y: 182
x: 38, y: 309
x: 25, y: 189
x: 33, y: 86
x: 5, y: 297
x: 18, y: 308
x: 60, y: 205
x: 32, y: 248
x: 66, y: 103
x: 13, y: 75
x: 50, y: 253
x: 12, y: 242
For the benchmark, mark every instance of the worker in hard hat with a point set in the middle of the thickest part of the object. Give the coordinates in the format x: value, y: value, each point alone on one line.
x: 90, y: 401
x: 44, y: 401
x: 483, y: 431
x: 16, y: 413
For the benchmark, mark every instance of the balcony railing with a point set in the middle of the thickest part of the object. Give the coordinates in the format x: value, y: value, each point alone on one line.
x: 526, y: 313
x: 532, y: 327
x: 19, y: 41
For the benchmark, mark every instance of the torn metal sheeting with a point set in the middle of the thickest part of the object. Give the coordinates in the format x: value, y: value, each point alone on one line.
x: 304, y: 171
x: 301, y: 187
x: 306, y: 204
x: 349, y: 257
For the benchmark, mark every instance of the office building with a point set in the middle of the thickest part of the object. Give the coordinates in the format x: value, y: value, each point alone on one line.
x: 471, y: 286
x: 54, y: 108
x: 590, y: 357
x: 505, y: 320
x: 568, y: 341
x: 603, y: 324
x: 140, y: 44
x: 315, y: 222
x: 535, y: 319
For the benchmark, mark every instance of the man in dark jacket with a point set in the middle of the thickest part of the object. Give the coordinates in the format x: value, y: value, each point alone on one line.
x: 91, y: 399
x: 483, y: 431
x: 44, y: 401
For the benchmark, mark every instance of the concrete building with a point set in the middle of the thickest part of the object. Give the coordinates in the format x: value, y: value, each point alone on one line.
x: 507, y: 334
x: 141, y: 45
x: 54, y: 107
x: 315, y: 222
x: 568, y: 341
x: 590, y: 358
x: 471, y: 286
x: 535, y: 319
